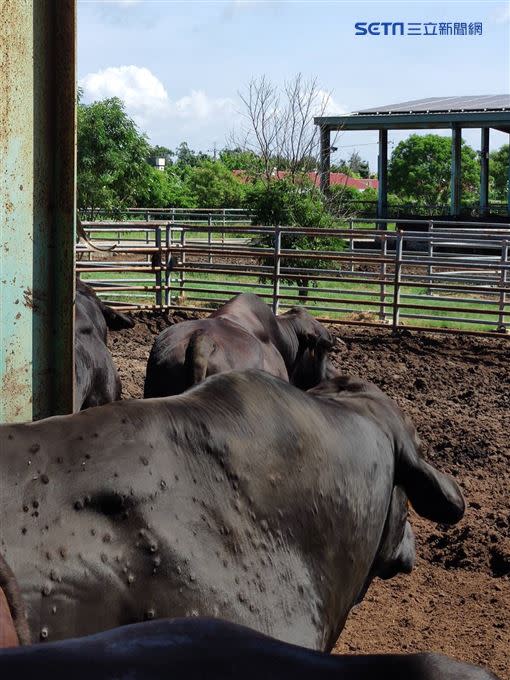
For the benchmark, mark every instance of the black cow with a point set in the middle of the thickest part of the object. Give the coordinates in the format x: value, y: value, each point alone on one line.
x: 242, y: 334
x: 244, y: 498
x: 96, y: 377
x: 196, y: 649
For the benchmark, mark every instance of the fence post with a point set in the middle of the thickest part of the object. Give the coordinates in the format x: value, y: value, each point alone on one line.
x: 223, y: 233
x: 430, y: 254
x: 382, y: 272
x: 351, y: 264
x: 503, y: 279
x: 397, y: 281
x: 276, y: 268
x: 157, y: 264
x: 209, y: 236
x: 169, y: 265
x: 147, y: 219
x: 182, y: 274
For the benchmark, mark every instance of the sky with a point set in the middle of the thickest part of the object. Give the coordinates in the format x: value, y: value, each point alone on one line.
x: 180, y: 66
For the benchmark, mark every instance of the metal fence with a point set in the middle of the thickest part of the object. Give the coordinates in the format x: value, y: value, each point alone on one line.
x: 432, y: 278
x: 206, y: 216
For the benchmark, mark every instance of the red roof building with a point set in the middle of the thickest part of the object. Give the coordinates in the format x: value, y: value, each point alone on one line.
x: 335, y: 179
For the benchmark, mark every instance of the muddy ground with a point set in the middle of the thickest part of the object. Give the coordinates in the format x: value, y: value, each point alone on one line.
x: 457, y: 390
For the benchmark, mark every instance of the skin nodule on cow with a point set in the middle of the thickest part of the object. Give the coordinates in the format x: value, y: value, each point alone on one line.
x: 195, y: 649
x: 244, y: 333
x: 243, y: 498
x: 96, y: 377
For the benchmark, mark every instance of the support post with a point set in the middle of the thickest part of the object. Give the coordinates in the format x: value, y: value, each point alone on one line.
x: 382, y: 274
x: 276, y: 269
x: 157, y: 263
x: 397, y: 281
x: 508, y: 197
x: 484, y: 172
x: 182, y: 274
x: 209, y: 236
x: 168, y: 265
x: 37, y: 208
x: 430, y: 255
x: 382, y: 176
x: 503, y: 279
x: 325, y: 159
x: 455, y: 180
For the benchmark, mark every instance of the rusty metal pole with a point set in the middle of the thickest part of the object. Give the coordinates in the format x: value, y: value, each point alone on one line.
x: 37, y: 207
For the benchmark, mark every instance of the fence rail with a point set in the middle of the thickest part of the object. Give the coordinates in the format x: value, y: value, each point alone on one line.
x: 436, y: 277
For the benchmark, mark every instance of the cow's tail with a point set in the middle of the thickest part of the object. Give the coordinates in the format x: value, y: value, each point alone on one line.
x: 200, y: 348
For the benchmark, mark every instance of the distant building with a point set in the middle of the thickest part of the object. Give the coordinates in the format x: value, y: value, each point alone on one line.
x: 335, y: 179
x: 158, y: 162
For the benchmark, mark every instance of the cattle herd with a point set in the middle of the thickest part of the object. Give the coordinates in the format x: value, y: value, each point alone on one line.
x: 223, y: 526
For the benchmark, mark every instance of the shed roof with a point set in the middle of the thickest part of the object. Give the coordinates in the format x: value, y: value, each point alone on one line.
x: 486, y: 102
x: 432, y: 112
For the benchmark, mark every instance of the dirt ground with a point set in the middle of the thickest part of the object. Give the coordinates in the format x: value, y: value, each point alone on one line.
x: 457, y: 390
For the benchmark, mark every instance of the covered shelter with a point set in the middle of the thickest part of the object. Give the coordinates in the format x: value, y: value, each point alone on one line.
x: 454, y: 113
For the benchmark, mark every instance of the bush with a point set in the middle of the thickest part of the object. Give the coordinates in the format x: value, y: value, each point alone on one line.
x: 282, y: 203
x: 213, y: 185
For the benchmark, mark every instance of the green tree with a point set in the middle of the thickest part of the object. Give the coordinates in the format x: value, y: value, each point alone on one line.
x: 354, y: 167
x: 112, y: 156
x: 246, y: 161
x: 285, y: 203
x: 159, y: 151
x: 419, y: 168
x: 213, y: 185
x: 498, y: 172
x: 186, y: 157
x: 164, y: 189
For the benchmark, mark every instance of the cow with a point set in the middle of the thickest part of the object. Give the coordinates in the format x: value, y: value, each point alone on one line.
x: 244, y: 333
x: 244, y: 498
x: 197, y: 648
x: 13, y: 618
x: 96, y: 377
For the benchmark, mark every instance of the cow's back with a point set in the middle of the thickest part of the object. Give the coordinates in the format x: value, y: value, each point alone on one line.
x: 242, y: 499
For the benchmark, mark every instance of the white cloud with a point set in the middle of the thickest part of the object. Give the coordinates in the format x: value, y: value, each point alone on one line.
x: 327, y: 105
x: 196, y: 116
x: 136, y: 86
x: 147, y: 101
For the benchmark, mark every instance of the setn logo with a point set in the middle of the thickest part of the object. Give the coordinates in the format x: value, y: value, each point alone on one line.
x: 379, y: 28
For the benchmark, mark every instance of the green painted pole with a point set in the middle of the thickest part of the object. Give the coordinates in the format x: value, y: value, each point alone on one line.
x: 325, y: 157
x: 508, y: 197
x: 382, y: 176
x: 37, y: 207
x: 455, y: 181
x: 484, y: 172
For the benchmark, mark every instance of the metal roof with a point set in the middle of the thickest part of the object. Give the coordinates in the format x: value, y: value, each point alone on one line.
x: 487, y: 102
x: 478, y: 111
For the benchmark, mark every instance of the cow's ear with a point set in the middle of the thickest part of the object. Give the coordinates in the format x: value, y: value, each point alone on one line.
x: 433, y: 495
